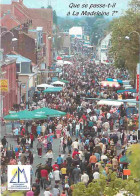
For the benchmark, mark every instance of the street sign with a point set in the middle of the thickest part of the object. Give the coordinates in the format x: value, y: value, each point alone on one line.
x: 4, y: 85
x: 137, y: 78
x: 137, y: 83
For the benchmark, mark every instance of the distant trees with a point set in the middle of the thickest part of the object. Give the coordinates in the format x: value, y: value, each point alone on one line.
x: 125, y: 52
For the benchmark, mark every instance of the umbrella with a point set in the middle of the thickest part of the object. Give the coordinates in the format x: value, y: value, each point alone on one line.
x: 124, y: 160
x: 13, y: 116
x: 65, y: 81
x: 59, y: 58
x: 24, y: 115
x: 110, y: 84
x: 53, y: 90
x: 58, y: 82
x: 49, y: 112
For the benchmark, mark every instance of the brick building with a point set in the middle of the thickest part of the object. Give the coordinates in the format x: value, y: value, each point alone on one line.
x: 18, y: 15
x: 9, y: 72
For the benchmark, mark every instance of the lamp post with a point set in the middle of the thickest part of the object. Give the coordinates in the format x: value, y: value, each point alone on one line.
x: 27, y: 89
x: 47, y: 71
x: 128, y: 37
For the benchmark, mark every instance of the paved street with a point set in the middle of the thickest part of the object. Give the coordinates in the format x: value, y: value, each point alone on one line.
x: 37, y: 159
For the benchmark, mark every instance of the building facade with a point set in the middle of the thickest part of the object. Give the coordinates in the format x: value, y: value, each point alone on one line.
x: 18, y: 15
x: 103, y: 49
x: 10, y: 97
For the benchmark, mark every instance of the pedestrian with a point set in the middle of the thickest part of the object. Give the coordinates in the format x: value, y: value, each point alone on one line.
x: 76, y: 174
x: 59, y: 161
x: 84, y: 178
x: 96, y: 175
x: 32, y: 139
x: 47, y: 192
x: 56, y: 174
x: 39, y: 148
x: 44, y: 177
x: 49, y: 156
x: 75, y: 144
x: 4, y: 142
x: 56, y: 190
x: 38, y: 130
x: 31, y: 157
x: 92, y: 160
x: 69, y: 143
x: 63, y: 193
x: 30, y: 193
x: 64, y: 144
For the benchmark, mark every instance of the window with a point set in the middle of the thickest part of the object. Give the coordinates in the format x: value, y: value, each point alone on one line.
x: 18, y: 67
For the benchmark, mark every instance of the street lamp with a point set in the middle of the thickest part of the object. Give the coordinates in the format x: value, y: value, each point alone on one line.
x: 128, y: 37
x: 27, y: 89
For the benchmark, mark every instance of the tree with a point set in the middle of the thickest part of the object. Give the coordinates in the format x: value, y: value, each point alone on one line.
x: 134, y: 156
x: 49, y: 6
x: 126, y: 52
x: 96, y: 27
x: 107, y: 186
x: 54, y: 17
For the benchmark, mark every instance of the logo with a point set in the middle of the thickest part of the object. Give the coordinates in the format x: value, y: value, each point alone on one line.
x: 19, y: 177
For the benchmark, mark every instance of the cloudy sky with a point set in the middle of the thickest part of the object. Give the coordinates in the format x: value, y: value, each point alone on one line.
x: 62, y: 6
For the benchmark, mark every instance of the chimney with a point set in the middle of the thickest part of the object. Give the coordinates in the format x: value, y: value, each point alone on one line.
x: 21, y: 1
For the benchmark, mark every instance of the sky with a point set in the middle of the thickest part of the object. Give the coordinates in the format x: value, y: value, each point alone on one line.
x: 62, y: 6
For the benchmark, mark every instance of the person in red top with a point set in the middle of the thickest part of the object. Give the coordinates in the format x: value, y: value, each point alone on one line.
x: 44, y: 178
x: 84, y: 118
x: 55, y: 166
x: 22, y: 132
x: 75, y: 152
x: 32, y: 139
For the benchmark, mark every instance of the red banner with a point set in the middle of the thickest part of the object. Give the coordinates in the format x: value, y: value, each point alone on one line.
x: 137, y: 83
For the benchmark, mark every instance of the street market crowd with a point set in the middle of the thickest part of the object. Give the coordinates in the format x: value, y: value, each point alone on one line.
x: 92, y: 137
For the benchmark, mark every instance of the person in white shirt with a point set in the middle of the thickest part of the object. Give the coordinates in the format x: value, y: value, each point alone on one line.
x: 47, y: 192
x: 75, y: 144
x: 104, y: 157
x: 84, y: 178
x: 19, y: 162
x: 49, y: 156
x: 77, y: 129
x: 56, y: 174
x: 81, y: 155
x: 96, y: 175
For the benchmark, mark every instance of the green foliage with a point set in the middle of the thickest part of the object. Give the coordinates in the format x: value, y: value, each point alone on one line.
x: 49, y: 6
x: 97, y: 27
x: 126, y: 52
x: 134, y: 156
x: 93, y: 26
x: 107, y: 186
x: 54, y: 17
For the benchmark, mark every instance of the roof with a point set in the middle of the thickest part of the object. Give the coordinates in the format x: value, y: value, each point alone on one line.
x: 40, y: 17
x: 8, y: 60
x: 9, y: 21
x: 19, y: 58
x: 4, y: 8
x: 36, y: 13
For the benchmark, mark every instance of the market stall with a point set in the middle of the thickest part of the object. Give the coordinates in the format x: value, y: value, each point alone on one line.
x: 53, y: 90
x: 110, y: 84
x: 110, y: 103
x: 58, y: 83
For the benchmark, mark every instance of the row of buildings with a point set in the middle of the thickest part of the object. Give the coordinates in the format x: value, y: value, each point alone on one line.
x: 26, y: 47
x: 102, y: 49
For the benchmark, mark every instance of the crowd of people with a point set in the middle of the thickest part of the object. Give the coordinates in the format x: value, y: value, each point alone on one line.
x: 92, y: 137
